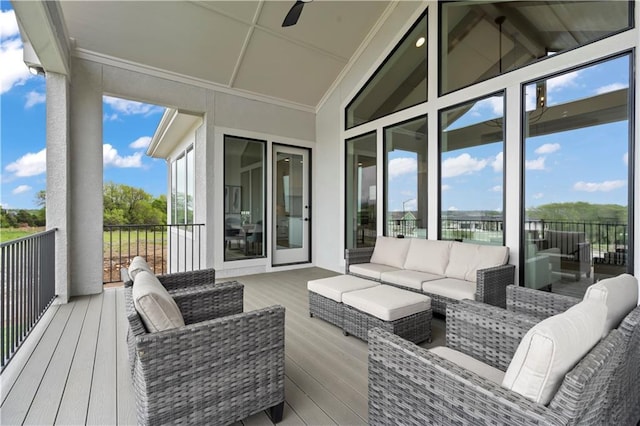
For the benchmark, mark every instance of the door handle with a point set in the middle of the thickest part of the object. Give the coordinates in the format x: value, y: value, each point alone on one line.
x: 306, y: 219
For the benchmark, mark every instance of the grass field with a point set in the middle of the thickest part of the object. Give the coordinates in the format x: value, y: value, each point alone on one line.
x: 8, y: 234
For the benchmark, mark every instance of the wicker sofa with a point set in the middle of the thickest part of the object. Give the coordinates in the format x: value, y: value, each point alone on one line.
x: 414, y: 386
x: 447, y: 271
x: 221, y: 366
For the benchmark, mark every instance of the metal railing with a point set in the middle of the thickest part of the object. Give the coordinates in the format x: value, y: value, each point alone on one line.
x: 27, y: 287
x: 166, y: 248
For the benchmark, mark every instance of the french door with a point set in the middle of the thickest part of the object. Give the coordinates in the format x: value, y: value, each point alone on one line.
x: 291, y: 209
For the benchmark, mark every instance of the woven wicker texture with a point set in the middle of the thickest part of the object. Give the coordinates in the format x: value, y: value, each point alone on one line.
x: 491, y: 283
x: 415, y: 328
x: 220, y: 368
x: 540, y: 304
x: 408, y: 385
x: 178, y: 280
x: 326, y: 309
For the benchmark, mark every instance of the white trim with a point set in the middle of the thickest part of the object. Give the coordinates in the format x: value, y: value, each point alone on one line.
x: 181, y: 78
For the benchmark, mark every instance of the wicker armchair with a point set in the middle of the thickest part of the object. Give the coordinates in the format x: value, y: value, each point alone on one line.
x: 221, y: 367
x: 411, y: 385
x: 177, y: 280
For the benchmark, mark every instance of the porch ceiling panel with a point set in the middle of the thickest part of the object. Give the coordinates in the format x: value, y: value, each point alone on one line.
x: 234, y: 44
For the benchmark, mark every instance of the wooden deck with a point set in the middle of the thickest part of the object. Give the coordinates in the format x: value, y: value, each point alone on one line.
x: 73, y: 368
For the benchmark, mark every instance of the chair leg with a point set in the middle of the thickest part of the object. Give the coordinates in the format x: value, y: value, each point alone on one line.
x: 275, y: 412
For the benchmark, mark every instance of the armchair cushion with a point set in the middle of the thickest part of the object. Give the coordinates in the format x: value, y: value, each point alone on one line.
x: 390, y: 251
x: 620, y: 295
x: 466, y: 259
x: 552, y: 348
x: 154, y: 304
x: 138, y: 264
x: 470, y: 363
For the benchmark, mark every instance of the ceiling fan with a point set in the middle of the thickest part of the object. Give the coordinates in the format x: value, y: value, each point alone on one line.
x: 294, y: 13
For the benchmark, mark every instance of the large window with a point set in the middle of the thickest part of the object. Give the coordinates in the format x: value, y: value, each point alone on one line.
x: 361, y: 192
x: 399, y: 83
x: 481, y: 39
x: 576, y: 176
x: 244, y: 198
x: 472, y: 171
x: 405, y: 147
x: 182, y: 188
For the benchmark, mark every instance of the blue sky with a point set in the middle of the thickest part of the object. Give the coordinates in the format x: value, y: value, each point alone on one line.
x: 127, y: 129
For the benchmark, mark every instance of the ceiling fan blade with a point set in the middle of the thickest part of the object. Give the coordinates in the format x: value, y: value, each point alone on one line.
x: 294, y: 14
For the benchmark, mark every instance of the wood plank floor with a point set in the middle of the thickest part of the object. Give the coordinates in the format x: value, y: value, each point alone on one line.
x: 73, y: 368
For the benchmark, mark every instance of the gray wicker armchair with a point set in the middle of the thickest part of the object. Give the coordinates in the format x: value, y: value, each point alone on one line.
x: 177, y: 280
x: 411, y: 385
x: 221, y: 367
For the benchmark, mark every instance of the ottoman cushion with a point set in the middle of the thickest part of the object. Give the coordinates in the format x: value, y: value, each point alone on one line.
x: 334, y: 287
x: 387, y: 302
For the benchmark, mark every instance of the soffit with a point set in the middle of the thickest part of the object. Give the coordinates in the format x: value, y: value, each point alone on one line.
x: 235, y: 44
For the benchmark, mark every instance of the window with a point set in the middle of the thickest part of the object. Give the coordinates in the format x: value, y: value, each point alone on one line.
x: 182, y: 188
x: 405, y: 147
x: 244, y: 198
x: 472, y: 171
x: 497, y: 37
x: 399, y: 83
x: 577, y: 166
x: 361, y: 190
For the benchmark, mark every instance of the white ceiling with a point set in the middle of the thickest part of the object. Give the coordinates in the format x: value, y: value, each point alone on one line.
x: 234, y: 44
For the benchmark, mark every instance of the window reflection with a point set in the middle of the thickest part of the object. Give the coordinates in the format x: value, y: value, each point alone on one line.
x: 361, y: 191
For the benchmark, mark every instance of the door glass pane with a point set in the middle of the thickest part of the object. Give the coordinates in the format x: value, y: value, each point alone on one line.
x: 190, y: 186
x: 405, y: 147
x: 472, y: 172
x: 244, y: 204
x: 361, y: 192
x: 497, y: 37
x: 289, y: 201
x: 576, y: 176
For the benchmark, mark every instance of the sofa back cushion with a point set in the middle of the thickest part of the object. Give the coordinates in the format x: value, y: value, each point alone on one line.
x: 154, y: 304
x: 619, y: 294
x: 552, y: 348
x: 138, y: 264
x: 431, y: 256
x: 390, y: 251
x: 465, y: 259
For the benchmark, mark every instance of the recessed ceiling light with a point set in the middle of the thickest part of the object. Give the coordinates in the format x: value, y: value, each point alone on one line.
x: 420, y: 42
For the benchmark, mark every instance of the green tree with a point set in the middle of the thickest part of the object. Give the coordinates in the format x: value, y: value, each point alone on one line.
x: 124, y: 204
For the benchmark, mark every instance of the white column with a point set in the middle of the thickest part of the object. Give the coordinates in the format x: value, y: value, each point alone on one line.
x: 58, y: 160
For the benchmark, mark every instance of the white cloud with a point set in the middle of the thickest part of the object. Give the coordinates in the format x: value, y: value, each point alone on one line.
x: 13, y: 71
x: 497, y: 188
x: 35, y: 98
x: 127, y: 107
x: 30, y: 164
x: 140, y: 143
x: 495, y: 104
x: 110, y: 157
x: 461, y: 165
x: 20, y: 189
x: 452, y: 209
x: 562, y: 81
x: 401, y: 166
x: 446, y: 187
x: 611, y: 88
x: 498, y: 162
x: 625, y: 158
x: 606, y: 186
x: 530, y: 97
x: 547, y: 148
x: 537, y: 164
x: 112, y: 117
x: 538, y: 195
x: 8, y: 24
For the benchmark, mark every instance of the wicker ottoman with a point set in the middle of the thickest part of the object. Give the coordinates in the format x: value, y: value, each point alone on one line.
x: 402, y: 312
x: 325, y: 296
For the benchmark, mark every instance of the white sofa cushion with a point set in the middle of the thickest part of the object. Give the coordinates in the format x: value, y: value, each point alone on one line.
x: 334, y: 287
x: 154, y: 304
x: 371, y: 270
x: 390, y: 251
x: 387, y: 302
x: 408, y: 278
x: 552, y: 348
x: 138, y: 264
x: 466, y: 259
x: 620, y: 294
x: 431, y: 256
x: 463, y: 360
x: 452, y: 288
